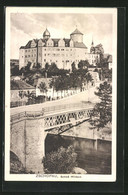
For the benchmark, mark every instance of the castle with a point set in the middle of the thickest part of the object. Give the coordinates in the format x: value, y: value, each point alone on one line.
x: 63, y: 52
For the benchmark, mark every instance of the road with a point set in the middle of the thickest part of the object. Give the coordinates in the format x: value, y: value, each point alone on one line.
x: 84, y: 96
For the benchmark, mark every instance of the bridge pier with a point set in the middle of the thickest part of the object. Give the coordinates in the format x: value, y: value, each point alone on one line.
x: 28, y: 143
x: 36, y: 136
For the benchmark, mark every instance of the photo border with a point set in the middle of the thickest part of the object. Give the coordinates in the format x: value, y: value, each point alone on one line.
x: 47, y: 186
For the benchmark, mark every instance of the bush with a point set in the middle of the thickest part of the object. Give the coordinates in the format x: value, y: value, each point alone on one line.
x: 61, y: 161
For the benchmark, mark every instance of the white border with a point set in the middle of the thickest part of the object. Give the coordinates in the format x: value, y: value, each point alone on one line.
x: 45, y: 177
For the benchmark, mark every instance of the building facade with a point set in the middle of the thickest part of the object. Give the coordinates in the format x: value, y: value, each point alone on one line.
x: 63, y: 52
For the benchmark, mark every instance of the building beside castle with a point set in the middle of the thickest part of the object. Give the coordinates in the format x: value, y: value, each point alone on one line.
x: 63, y: 52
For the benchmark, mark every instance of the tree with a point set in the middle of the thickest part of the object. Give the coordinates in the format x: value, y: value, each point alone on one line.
x: 88, y: 77
x: 53, y: 70
x: 61, y: 161
x: 102, y: 112
x: 46, y: 69
x: 27, y: 67
x: 73, y: 67
x: 38, y: 66
x: 15, y: 71
x: 43, y: 87
x: 83, y: 64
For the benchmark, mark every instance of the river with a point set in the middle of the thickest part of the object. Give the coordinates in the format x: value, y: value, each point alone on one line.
x: 88, y: 158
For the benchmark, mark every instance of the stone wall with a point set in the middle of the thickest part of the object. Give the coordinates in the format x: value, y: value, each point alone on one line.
x: 28, y: 143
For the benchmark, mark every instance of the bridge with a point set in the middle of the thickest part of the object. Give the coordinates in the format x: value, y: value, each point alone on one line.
x: 29, y: 130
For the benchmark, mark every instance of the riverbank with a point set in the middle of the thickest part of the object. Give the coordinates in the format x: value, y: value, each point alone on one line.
x: 84, y: 130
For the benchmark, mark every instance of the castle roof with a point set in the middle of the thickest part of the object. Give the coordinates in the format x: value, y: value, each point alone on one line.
x: 55, y: 41
x: 46, y: 33
x: 76, y: 32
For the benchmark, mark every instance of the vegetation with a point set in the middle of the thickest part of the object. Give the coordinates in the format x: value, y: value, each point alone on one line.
x: 83, y: 64
x: 16, y: 167
x: 61, y: 161
x: 74, y: 80
x: 43, y: 87
x: 102, y: 112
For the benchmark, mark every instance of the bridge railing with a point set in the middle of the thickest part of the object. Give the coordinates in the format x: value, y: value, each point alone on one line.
x: 49, y: 111
x: 34, y: 114
x: 64, y: 107
x: 18, y: 116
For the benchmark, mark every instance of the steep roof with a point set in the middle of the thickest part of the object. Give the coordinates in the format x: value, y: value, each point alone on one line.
x: 76, y: 32
x: 79, y: 45
x: 55, y: 41
x: 20, y: 85
x: 22, y: 47
x: 28, y: 45
x: 46, y: 33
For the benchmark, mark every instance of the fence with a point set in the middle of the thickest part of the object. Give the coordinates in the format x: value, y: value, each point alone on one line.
x: 66, y: 107
x: 49, y: 110
x: 23, y: 103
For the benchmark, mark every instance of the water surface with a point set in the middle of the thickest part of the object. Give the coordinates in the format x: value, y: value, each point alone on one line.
x: 92, y: 160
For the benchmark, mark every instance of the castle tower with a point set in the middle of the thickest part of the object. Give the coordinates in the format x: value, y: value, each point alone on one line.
x: 92, y: 43
x: 46, y: 34
x: 92, y: 49
x: 77, y: 36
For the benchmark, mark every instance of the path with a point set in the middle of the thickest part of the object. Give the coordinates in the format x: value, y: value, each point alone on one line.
x: 86, y: 96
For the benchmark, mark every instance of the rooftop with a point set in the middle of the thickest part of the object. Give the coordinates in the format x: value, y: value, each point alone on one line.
x: 20, y: 85
x: 76, y: 32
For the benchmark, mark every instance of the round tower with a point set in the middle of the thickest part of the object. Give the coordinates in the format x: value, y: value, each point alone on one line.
x: 77, y: 36
x: 46, y: 34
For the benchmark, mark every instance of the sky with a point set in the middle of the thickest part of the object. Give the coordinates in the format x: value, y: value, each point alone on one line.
x: 28, y: 26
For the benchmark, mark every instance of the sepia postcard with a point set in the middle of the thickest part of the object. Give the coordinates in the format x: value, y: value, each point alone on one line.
x: 60, y: 94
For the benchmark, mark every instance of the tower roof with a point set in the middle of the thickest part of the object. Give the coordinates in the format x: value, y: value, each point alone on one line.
x: 46, y: 33
x: 76, y: 32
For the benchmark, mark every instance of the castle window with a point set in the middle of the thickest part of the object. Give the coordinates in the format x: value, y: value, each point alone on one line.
x: 62, y: 49
x: 44, y: 60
